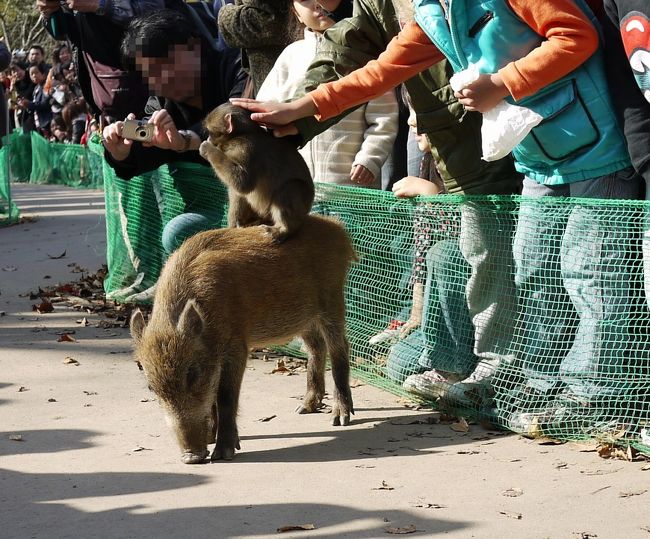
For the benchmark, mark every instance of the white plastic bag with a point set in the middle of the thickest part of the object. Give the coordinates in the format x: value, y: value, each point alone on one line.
x: 504, y: 126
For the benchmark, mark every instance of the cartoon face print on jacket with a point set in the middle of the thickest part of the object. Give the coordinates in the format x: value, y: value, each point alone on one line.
x: 635, y: 32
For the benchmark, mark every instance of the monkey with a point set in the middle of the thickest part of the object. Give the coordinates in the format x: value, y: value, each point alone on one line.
x: 268, y: 181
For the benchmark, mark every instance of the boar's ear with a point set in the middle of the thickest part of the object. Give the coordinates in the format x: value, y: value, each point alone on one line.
x: 137, y: 325
x: 191, y: 321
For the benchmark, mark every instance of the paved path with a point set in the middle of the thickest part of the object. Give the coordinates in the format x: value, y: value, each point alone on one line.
x: 97, y: 460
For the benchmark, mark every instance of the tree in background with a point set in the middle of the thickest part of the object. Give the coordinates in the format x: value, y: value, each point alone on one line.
x: 20, y: 27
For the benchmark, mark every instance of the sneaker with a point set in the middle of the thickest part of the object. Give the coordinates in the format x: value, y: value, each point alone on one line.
x: 645, y: 436
x: 430, y: 385
x: 390, y: 334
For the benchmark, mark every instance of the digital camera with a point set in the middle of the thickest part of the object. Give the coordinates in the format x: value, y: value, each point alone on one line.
x: 137, y: 130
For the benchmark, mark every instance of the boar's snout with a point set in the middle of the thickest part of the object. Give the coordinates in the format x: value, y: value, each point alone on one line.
x: 189, y: 457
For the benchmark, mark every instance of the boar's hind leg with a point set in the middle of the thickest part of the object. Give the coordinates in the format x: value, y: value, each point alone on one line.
x: 230, y: 379
x: 316, y: 354
x: 338, y: 348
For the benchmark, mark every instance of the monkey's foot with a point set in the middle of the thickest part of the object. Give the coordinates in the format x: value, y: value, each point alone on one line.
x: 277, y: 234
x: 341, y: 410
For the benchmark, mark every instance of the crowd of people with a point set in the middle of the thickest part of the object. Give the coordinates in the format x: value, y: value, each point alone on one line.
x: 328, y: 73
x: 46, y: 97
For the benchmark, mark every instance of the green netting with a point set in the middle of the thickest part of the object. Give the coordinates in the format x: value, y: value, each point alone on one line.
x: 8, y: 210
x: 534, y: 312
x: 531, y: 313
x: 73, y: 165
x: 20, y: 155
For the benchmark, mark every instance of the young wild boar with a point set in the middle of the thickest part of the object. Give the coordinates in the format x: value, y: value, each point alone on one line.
x: 227, y: 291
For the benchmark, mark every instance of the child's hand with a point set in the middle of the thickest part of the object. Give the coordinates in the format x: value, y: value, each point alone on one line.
x: 412, y: 186
x: 361, y: 175
x: 483, y: 94
x: 278, y: 116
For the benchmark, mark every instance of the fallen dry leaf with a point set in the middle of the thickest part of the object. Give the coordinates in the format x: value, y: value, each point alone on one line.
x: 460, y: 426
x: 645, y: 528
x: 83, y: 321
x: 431, y: 506
x: 402, y: 531
x: 140, y: 448
x: 513, y: 492
x: 509, y: 514
x: 10, y: 268
x: 44, y: 307
x: 584, y: 535
x: 600, y: 489
x: 66, y: 337
x: 22, y: 388
x: 384, y: 486
x: 90, y: 392
x: 280, y: 367
x: 266, y: 419
x: 630, y: 493
x: 16, y: 437
x: 56, y: 257
x: 70, y: 361
x: 296, y: 528
x: 51, y: 399
x: 643, y: 469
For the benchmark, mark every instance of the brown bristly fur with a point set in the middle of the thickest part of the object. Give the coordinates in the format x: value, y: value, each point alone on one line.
x: 227, y: 291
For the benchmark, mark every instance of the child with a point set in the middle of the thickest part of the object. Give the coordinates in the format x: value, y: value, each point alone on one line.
x: 353, y: 152
x: 543, y: 55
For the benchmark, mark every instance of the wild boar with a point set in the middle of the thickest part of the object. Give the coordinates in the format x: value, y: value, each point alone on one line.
x: 227, y: 291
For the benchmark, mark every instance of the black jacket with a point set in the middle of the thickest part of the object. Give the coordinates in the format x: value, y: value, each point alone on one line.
x: 223, y: 79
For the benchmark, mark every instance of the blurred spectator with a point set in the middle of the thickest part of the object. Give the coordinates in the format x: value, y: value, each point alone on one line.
x: 75, y: 115
x: 39, y: 111
x: 36, y: 55
x: 61, y: 55
x: 5, y: 59
x: 21, y: 88
x: 96, y: 29
x: 58, y: 130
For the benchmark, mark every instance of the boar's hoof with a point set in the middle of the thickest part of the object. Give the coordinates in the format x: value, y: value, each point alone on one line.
x: 194, y: 458
x: 341, y: 420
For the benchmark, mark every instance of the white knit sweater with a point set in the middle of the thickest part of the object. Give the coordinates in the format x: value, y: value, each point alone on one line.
x: 363, y: 137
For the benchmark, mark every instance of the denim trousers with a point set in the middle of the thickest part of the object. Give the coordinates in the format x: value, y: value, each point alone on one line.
x: 573, y: 274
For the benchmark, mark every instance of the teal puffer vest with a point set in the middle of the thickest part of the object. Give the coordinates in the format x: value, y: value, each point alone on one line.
x: 579, y: 138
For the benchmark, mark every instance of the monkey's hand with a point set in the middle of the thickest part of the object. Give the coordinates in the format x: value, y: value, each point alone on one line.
x: 207, y: 149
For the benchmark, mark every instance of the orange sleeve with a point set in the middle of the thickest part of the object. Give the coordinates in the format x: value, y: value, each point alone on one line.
x: 570, y: 40
x: 408, y: 53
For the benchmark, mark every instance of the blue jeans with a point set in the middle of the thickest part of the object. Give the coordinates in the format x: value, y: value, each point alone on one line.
x: 573, y: 281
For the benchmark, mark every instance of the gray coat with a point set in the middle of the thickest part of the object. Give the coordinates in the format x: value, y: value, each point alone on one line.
x: 262, y: 28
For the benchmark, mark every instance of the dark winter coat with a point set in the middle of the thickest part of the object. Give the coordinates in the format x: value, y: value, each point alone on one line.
x: 262, y: 29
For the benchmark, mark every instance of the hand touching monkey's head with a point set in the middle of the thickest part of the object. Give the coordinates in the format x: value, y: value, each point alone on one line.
x: 228, y: 121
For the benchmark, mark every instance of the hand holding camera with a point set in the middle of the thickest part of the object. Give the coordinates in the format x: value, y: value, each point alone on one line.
x: 160, y: 131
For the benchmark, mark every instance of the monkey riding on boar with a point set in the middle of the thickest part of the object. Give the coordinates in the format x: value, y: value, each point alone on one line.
x: 227, y: 291
x: 268, y: 181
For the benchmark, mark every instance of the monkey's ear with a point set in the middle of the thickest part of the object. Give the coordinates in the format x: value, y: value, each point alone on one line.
x: 229, y: 123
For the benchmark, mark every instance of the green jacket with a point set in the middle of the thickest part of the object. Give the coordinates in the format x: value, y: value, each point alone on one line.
x: 454, y: 133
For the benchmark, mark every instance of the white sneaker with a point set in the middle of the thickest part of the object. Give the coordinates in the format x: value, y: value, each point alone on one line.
x: 391, y: 333
x: 431, y: 384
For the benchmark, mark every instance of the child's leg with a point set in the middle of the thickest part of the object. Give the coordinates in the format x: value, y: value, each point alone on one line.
x: 546, y: 323
x: 599, y: 274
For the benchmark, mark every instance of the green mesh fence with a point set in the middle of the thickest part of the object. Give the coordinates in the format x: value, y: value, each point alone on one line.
x: 20, y: 156
x: 73, y: 165
x: 531, y: 313
x: 8, y: 210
